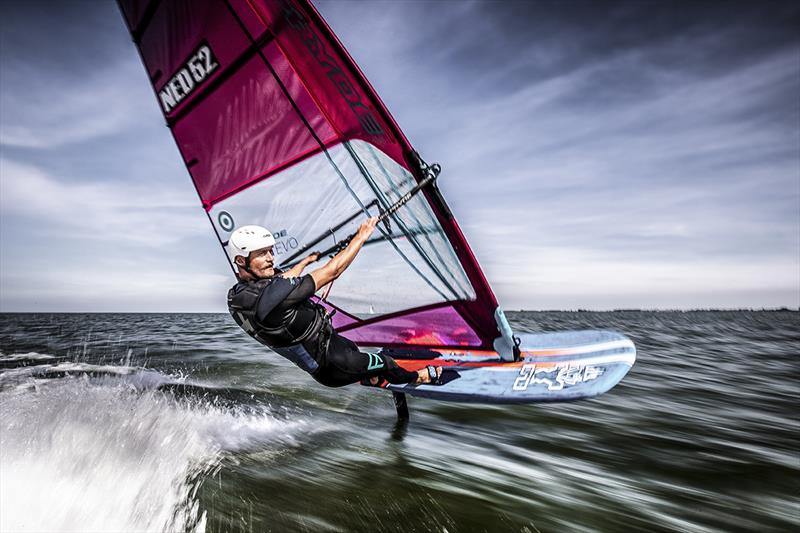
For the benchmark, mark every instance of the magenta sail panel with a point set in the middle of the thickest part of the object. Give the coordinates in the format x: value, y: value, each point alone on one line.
x: 173, y: 43
x: 335, y: 83
x: 431, y: 328
x: 279, y: 127
x: 298, y: 94
x: 242, y: 131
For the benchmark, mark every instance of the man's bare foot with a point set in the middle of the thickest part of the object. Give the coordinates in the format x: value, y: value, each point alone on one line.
x: 424, y: 377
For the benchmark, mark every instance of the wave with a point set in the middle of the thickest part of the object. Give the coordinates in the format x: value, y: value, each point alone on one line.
x: 103, y: 447
x: 32, y: 356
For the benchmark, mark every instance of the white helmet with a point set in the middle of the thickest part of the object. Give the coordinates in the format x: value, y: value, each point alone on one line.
x: 247, y: 239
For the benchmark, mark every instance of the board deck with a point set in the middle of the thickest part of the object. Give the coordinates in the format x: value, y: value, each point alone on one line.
x: 554, y: 367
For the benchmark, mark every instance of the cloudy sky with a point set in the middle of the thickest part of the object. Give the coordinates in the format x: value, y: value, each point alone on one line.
x: 597, y: 155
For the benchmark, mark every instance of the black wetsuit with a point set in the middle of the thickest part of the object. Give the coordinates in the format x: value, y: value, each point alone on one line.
x: 278, y: 312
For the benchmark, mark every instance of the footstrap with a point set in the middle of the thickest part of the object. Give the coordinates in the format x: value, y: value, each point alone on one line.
x: 433, y: 374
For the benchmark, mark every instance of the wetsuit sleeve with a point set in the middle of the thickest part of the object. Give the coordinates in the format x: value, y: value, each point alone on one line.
x: 283, y: 292
x: 302, y: 291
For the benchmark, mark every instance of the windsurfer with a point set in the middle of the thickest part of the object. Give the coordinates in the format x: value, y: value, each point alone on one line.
x: 275, y: 308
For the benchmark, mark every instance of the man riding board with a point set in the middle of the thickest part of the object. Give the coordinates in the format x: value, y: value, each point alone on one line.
x: 275, y: 308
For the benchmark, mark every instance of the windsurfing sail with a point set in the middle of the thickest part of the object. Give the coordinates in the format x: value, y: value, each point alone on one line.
x: 279, y: 127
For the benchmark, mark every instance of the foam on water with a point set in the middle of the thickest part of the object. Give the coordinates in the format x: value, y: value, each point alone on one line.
x: 84, y: 454
x: 23, y: 356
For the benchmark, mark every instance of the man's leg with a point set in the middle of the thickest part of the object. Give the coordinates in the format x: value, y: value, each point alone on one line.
x: 345, y: 364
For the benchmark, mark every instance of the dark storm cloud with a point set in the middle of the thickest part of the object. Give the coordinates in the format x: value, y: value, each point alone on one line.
x: 547, y: 39
x: 72, y: 89
x: 626, y: 50
x: 623, y: 51
x: 63, y: 38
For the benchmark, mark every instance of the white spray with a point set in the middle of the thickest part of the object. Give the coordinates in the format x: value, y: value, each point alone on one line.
x: 81, y: 454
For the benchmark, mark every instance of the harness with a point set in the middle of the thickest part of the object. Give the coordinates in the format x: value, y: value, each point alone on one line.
x: 286, y: 332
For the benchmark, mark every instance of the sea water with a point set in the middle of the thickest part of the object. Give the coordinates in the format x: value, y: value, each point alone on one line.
x: 180, y: 422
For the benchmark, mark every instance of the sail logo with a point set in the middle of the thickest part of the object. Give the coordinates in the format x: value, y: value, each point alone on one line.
x: 188, y: 78
x: 555, y: 378
x: 225, y: 221
x: 284, y: 242
x: 296, y: 20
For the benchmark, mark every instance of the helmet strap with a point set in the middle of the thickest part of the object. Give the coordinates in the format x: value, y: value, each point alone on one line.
x: 247, y: 267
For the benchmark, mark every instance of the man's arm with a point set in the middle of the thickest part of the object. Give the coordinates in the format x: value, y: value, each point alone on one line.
x: 334, y: 268
x: 283, y: 293
x: 297, y: 270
